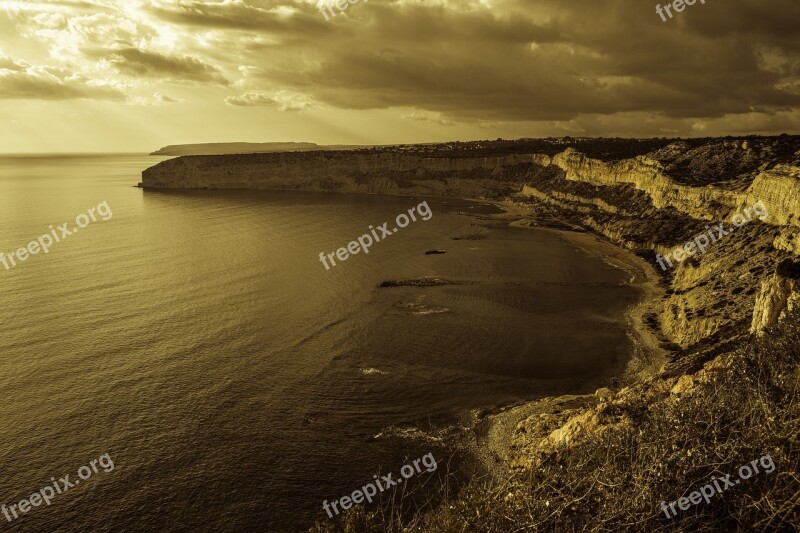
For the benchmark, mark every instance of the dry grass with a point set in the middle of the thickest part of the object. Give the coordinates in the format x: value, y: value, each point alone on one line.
x: 616, y: 480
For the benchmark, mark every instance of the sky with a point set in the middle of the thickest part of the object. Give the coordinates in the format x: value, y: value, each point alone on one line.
x: 132, y: 76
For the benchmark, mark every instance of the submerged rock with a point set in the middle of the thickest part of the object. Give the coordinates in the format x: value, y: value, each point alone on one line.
x: 416, y: 282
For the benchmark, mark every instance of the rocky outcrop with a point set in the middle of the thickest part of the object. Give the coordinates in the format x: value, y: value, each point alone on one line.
x: 541, y: 159
x: 778, y: 297
x: 779, y: 189
x: 537, y: 436
x: 554, y: 198
x: 788, y: 240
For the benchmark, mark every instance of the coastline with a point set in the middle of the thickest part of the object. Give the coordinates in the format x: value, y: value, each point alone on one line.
x: 494, y: 431
x: 649, y: 354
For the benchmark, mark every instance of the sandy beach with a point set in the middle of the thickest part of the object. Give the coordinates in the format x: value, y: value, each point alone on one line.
x: 649, y: 355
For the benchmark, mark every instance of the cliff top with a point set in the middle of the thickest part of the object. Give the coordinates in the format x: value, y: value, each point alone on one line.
x: 697, y: 160
x: 725, y: 160
x: 246, y: 148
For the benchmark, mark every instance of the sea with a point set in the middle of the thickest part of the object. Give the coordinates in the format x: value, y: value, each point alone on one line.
x: 197, y: 339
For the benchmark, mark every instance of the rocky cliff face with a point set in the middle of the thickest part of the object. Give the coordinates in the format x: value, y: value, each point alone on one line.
x: 778, y: 297
x: 709, y: 293
x: 779, y: 188
x: 381, y: 173
x: 647, y: 175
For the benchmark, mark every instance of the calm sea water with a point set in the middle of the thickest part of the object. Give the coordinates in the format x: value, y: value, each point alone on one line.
x: 197, y: 339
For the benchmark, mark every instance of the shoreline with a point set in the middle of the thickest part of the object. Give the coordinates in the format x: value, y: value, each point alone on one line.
x: 493, y: 432
x: 644, y: 279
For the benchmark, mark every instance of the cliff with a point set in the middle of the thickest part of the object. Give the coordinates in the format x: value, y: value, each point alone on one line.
x: 353, y: 172
x: 647, y: 175
x: 710, y: 293
x: 243, y: 148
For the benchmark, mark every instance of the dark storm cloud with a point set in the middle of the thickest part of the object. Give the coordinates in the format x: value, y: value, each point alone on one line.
x: 546, y: 61
x: 534, y: 60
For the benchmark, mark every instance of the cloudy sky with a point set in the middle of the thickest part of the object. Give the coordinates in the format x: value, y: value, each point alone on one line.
x: 127, y: 75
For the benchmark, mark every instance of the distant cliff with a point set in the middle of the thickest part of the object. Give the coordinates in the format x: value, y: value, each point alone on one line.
x: 244, y: 148
x: 339, y: 171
